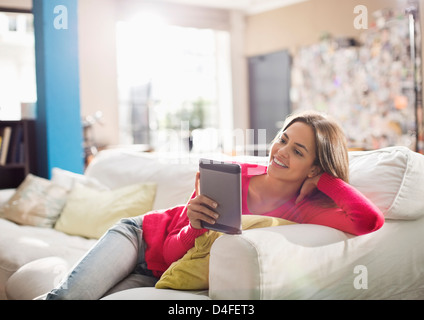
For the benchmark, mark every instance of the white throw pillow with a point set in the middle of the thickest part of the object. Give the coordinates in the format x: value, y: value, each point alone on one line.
x: 175, y: 177
x: 68, y: 179
x: 392, y: 178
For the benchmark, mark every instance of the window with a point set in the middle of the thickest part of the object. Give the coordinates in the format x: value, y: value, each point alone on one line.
x: 17, y: 66
x: 173, y: 81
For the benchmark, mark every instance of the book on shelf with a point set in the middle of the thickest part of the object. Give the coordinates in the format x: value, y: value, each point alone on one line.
x: 11, y: 145
x: 6, y: 135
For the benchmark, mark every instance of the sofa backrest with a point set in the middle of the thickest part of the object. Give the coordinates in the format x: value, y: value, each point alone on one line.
x: 175, y: 176
x: 390, y: 177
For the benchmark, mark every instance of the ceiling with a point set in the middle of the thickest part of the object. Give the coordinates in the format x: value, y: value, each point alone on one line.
x: 248, y: 6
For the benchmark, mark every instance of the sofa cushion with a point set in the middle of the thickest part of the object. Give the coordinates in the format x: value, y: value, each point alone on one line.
x: 36, y: 202
x: 5, y: 195
x: 89, y: 213
x: 37, y: 277
x: 191, y: 272
x: 149, y: 293
x: 20, y: 245
x: 392, y: 178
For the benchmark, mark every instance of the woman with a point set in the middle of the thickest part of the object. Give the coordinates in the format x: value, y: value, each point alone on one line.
x: 305, y: 181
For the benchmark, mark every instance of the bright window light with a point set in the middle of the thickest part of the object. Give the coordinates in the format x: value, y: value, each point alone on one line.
x: 168, y: 74
x: 17, y: 65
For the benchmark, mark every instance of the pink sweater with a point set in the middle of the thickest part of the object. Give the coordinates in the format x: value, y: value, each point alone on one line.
x: 168, y: 233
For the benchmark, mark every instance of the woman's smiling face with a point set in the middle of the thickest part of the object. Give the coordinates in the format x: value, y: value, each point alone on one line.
x: 293, y: 154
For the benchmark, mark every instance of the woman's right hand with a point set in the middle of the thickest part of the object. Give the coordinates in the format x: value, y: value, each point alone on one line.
x: 200, y: 208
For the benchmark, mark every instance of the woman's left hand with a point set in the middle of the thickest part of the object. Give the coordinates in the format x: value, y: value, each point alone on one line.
x: 200, y: 208
x: 309, y: 185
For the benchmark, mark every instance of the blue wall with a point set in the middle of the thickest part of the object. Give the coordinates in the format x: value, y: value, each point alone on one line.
x: 59, y: 128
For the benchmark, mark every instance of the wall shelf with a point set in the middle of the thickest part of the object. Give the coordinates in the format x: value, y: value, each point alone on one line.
x: 20, y: 157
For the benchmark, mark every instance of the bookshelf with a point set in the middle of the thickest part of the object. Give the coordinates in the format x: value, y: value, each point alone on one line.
x: 17, y: 152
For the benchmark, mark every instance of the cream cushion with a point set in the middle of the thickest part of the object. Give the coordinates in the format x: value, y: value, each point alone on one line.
x: 392, y: 178
x: 21, y: 244
x: 36, y: 202
x: 38, y: 276
x: 89, y: 213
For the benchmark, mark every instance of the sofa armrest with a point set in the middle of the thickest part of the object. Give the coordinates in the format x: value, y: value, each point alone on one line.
x: 273, y: 263
x: 5, y: 195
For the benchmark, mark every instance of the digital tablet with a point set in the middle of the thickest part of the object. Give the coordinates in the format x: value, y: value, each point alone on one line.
x: 221, y: 181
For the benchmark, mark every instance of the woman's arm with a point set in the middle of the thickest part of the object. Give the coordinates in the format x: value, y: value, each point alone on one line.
x: 354, y: 212
x: 188, y: 226
x: 180, y: 241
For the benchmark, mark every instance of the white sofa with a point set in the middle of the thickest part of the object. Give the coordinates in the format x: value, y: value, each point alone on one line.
x: 283, y: 262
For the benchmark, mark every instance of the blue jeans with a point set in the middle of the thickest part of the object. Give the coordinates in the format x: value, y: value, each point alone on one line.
x: 116, y: 262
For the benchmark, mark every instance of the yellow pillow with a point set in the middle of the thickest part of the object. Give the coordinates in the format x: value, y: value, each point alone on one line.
x: 89, y: 212
x: 191, y: 272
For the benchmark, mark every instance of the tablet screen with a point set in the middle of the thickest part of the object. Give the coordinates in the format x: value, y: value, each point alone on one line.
x: 221, y: 181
